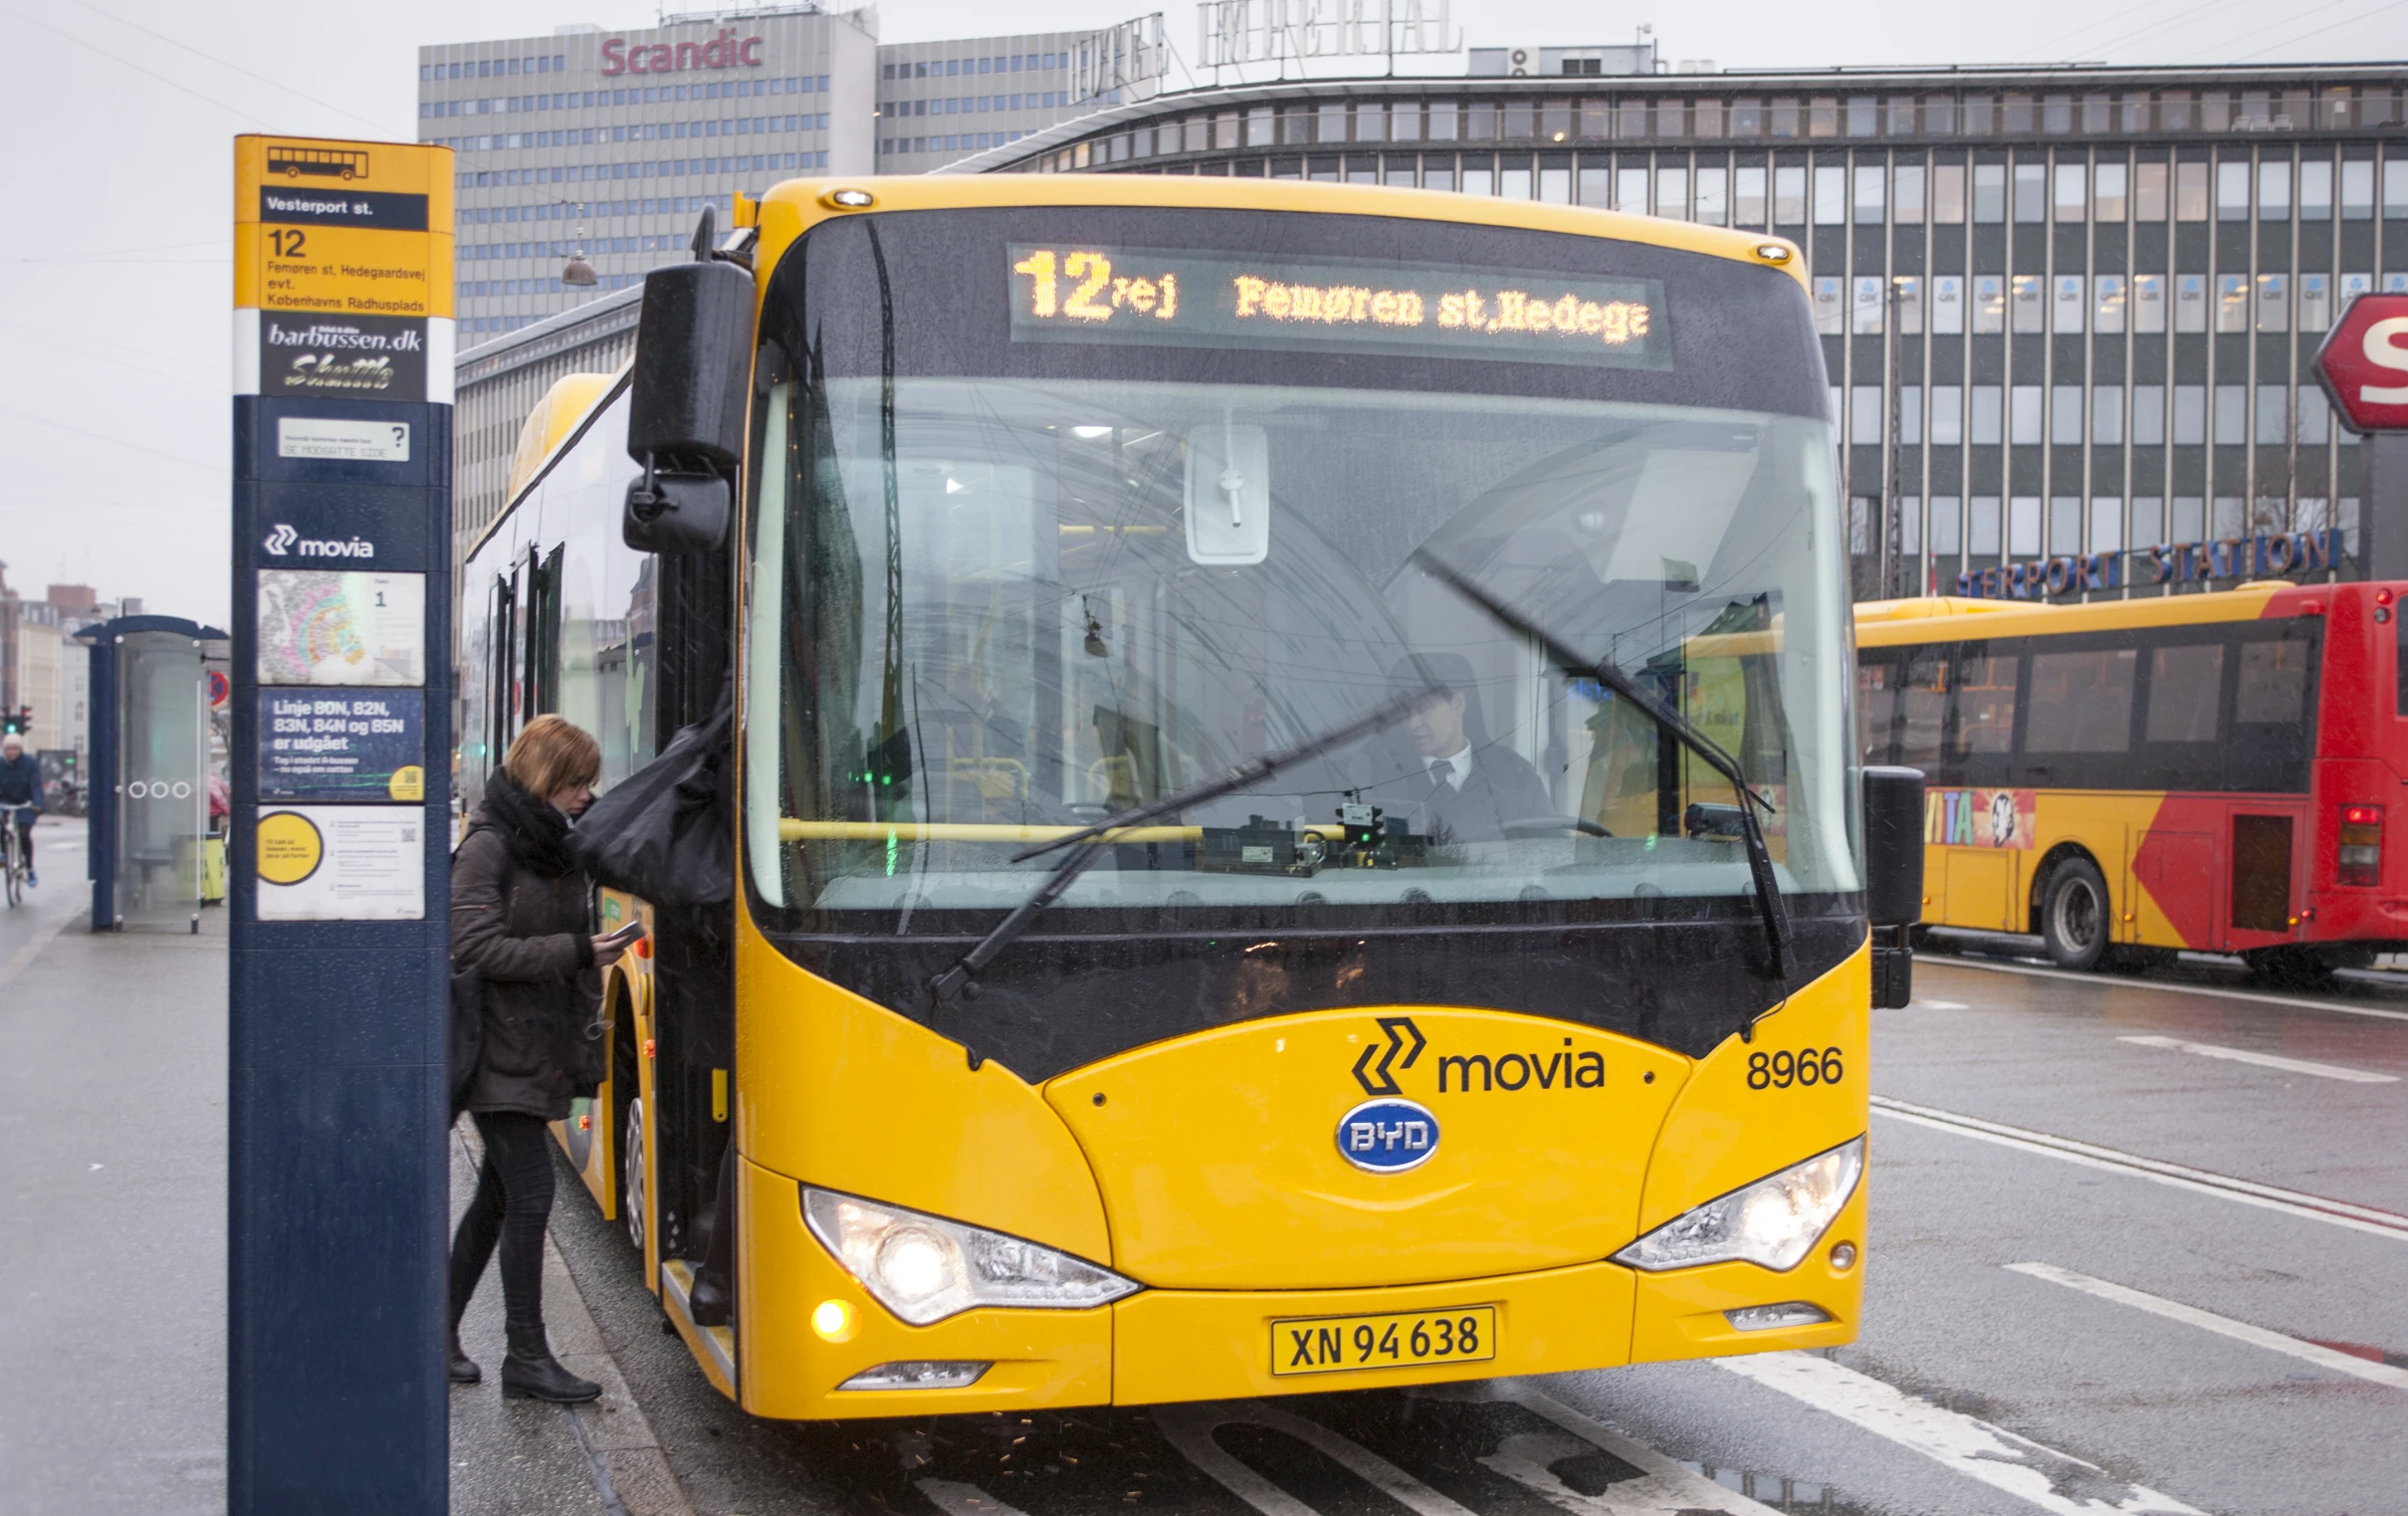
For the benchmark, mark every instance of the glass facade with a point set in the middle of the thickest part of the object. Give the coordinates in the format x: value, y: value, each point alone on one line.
x: 2065, y: 314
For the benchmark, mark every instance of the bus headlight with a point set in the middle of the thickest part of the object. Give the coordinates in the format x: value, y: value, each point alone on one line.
x: 1774, y: 1222
x: 925, y: 1269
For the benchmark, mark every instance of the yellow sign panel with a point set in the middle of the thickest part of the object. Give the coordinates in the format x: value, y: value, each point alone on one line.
x: 354, y: 229
x: 289, y: 847
x: 407, y: 784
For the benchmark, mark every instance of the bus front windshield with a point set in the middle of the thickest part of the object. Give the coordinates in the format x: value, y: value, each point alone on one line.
x: 986, y: 610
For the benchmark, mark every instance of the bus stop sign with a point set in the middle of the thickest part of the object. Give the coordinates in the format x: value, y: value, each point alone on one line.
x: 2364, y: 364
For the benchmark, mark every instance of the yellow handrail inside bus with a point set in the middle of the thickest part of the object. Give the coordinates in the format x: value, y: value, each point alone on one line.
x: 790, y: 829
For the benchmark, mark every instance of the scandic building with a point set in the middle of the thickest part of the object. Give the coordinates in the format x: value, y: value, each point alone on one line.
x: 2069, y: 313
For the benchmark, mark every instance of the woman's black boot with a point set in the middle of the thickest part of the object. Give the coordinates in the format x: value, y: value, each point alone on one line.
x: 464, y: 1368
x: 531, y: 1372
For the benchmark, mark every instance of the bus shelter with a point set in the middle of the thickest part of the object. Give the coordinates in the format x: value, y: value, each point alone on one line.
x: 149, y: 777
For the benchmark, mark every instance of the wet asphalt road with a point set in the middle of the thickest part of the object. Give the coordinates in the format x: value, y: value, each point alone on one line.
x: 2167, y: 1312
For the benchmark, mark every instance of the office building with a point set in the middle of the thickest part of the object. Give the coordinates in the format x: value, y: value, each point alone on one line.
x: 611, y: 143
x: 2066, y: 311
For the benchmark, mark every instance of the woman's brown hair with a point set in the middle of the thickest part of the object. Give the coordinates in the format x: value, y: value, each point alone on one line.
x: 551, y: 755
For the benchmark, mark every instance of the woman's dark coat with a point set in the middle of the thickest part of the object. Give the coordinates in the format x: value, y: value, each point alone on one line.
x: 535, y: 953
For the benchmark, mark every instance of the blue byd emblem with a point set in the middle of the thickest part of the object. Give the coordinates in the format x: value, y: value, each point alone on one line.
x: 1388, y: 1136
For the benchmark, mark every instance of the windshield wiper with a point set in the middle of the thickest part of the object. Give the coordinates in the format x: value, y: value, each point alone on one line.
x: 1087, y: 843
x: 1751, y: 830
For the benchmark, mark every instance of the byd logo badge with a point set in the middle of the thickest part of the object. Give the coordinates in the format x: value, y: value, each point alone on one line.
x: 1388, y: 1136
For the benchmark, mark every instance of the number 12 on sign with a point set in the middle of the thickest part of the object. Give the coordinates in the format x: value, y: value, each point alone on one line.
x: 1097, y: 293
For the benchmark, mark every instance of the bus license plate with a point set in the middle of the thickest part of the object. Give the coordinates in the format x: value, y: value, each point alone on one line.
x: 1403, y: 1340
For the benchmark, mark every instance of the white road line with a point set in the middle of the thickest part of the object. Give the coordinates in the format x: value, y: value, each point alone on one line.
x: 2264, y: 1060
x: 956, y: 1499
x: 1190, y: 1430
x: 2112, y: 981
x: 1664, y: 1486
x: 2239, y: 1331
x: 2314, y: 1208
x: 1976, y: 1449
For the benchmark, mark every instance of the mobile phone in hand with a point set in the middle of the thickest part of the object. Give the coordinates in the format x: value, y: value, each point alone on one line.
x: 626, y: 934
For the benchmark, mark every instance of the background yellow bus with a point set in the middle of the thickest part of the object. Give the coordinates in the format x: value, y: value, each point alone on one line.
x: 1401, y: 579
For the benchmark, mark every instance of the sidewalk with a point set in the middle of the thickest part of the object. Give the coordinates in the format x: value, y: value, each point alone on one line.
x: 112, y: 1168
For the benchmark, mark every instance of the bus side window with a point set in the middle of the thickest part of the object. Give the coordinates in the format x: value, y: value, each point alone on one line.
x: 543, y: 633
x: 1877, y: 703
x: 1924, y: 708
x: 1984, y: 707
x: 2273, y: 682
x: 2081, y: 701
x: 2185, y: 686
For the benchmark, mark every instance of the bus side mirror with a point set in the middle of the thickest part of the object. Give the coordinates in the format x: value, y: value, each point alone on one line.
x: 686, y: 403
x: 1894, y: 878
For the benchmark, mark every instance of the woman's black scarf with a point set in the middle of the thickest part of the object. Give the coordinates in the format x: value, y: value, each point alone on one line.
x: 536, y: 830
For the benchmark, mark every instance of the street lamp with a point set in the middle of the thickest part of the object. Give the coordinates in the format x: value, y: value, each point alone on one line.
x: 579, y: 273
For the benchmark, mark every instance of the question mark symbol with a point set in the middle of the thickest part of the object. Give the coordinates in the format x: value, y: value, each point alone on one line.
x: 401, y: 436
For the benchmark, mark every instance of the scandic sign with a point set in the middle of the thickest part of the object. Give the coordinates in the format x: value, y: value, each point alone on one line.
x: 724, y: 50
x: 2364, y: 364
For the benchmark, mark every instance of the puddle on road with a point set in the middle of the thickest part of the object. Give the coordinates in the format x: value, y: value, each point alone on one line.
x: 1778, y: 1491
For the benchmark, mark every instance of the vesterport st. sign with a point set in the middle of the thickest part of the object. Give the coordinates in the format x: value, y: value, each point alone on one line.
x: 2364, y: 364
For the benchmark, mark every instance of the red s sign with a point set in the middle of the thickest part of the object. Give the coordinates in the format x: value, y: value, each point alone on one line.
x: 2364, y: 364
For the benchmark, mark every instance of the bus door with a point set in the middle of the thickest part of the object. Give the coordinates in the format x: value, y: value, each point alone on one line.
x: 2266, y: 854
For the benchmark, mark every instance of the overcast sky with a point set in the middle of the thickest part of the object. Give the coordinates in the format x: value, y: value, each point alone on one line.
x: 117, y: 188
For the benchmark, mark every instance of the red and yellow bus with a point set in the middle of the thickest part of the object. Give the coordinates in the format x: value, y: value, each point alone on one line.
x: 2129, y: 779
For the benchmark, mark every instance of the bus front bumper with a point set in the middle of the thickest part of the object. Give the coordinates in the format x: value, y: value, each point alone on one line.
x: 1163, y: 1345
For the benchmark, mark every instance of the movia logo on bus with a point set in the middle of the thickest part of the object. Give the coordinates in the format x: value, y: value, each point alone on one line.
x: 2363, y: 364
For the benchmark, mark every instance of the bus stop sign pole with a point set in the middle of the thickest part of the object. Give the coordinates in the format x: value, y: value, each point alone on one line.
x: 338, y: 876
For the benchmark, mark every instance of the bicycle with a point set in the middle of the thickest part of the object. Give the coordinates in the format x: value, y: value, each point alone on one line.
x: 13, y: 862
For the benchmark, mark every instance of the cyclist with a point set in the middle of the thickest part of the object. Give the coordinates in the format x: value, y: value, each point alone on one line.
x: 20, y: 795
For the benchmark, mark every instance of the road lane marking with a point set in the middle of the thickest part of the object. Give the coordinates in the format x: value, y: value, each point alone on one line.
x: 2264, y: 1060
x: 2314, y: 1208
x: 1941, y: 1004
x: 1977, y: 1451
x: 1664, y: 1486
x: 2117, y: 982
x: 958, y: 1499
x: 1190, y: 1430
x: 2239, y: 1331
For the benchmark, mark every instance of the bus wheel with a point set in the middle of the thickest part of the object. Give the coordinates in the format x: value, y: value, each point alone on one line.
x: 2074, y: 915
x: 631, y: 1173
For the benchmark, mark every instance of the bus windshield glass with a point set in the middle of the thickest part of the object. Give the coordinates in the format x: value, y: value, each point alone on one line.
x: 1012, y: 580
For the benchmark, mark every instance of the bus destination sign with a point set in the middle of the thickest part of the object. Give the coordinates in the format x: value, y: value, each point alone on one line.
x: 1179, y: 299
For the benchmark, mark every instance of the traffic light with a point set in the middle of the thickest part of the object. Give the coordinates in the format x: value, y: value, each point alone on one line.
x: 18, y: 721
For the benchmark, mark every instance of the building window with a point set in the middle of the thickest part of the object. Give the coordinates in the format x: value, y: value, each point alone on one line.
x: 2232, y: 416
x: 2274, y: 303
x: 2232, y: 301
x: 2106, y: 193
x: 1940, y: 115
x: 2028, y: 296
x: 1630, y: 121
x: 2072, y: 191
x: 2016, y: 115
x: 1987, y: 415
x: 1788, y: 196
x: 2065, y: 524
x: 1673, y: 193
x: 1906, y: 193
x: 2315, y: 302
x: 1554, y: 185
x: 1864, y: 116
x: 1631, y: 191
x: 1830, y: 306
x: 1981, y: 526
x: 2057, y: 114
x: 2316, y: 416
x: 2190, y: 191
x: 1989, y: 305
x: 1948, y: 193
x: 2149, y: 192
x: 1948, y: 305
x: 2107, y: 316
x: 2357, y: 190
x: 1989, y: 193
x: 1864, y: 415
x: 1782, y: 119
x: 2190, y: 302
x: 1597, y: 187
x: 2106, y: 414
x: 2031, y: 192
x: 2231, y: 190
x: 2395, y: 189
x: 2273, y: 415
x: 1714, y: 190
x: 2274, y: 191
x: 2065, y: 415
x: 2024, y: 414
x: 1747, y: 118
x: 1822, y: 116
x: 1869, y: 194
x: 1671, y: 118
x: 2315, y: 190
x: 1443, y: 120
x: 1907, y: 288
x: 2148, y: 416
x: 2071, y: 301
x: 1866, y: 307
x: 1899, y: 108
x: 2023, y: 526
x: 1947, y: 416
x: 1709, y: 119
x: 1748, y: 207
x: 1831, y: 195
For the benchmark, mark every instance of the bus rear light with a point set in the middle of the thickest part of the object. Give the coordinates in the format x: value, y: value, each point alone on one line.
x: 2361, y: 852
x: 2384, y: 596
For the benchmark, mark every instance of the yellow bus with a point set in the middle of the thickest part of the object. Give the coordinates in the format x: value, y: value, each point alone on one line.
x: 1295, y: 821
x: 2125, y: 779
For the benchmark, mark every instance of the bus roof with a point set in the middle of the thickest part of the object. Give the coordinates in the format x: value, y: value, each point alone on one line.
x: 563, y: 405
x: 1945, y: 618
x: 794, y: 207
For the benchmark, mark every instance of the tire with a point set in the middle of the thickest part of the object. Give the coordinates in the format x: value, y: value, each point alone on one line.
x: 631, y: 1175
x: 2074, y: 920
